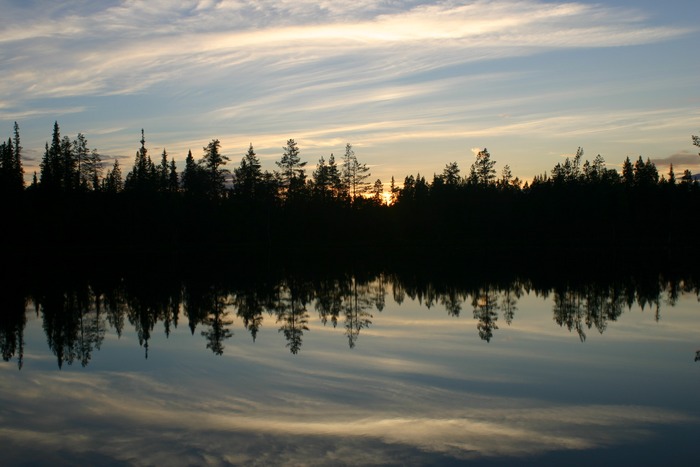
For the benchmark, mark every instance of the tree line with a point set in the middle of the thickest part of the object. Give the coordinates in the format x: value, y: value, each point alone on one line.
x: 577, y: 203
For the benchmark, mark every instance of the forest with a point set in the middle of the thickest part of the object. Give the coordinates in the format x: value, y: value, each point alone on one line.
x: 79, y: 207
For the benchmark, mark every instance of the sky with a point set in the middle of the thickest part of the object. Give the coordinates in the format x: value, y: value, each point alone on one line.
x: 412, y: 85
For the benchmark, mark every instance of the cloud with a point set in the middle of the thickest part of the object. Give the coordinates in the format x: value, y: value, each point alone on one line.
x: 129, y: 47
x: 679, y: 159
x: 372, y: 72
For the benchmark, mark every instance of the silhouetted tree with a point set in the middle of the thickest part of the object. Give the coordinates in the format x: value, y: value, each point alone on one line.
x: 482, y: 172
x: 671, y: 175
x: 248, y: 176
x: 143, y: 176
x: 11, y: 171
x: 378, y: 192
x: 52, y: 167
x: 211, y: 164
x: 450, y: 174
x: 353, y: 174
x: 292, y: 175
x: 645, y: 173
x: 113, y: 182
x: 628, y: 172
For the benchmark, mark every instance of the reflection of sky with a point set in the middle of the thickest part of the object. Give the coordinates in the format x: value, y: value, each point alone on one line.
x: 419, y: 387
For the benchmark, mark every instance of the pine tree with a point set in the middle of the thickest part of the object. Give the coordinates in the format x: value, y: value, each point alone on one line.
x: 378, y: 192
x: 52, y: 168
x: 70, y: 178
x: 173, y: 181
x: 163, y: 171
x: 450, y: 174
x: 671, y: 175
x: 292, y: 175
x: 627, y: 172
x: 354, y: 174
x: 248, y: 175
x: 143, y: 175
x: 326, y: 178
x: 211, y: 164
x: 482, y: 172
x: 192, y: 177
x: 17, y: 171
x: 113, y: 182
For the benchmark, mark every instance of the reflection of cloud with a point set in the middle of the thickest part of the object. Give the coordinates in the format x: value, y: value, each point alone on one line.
x: 144, y: 418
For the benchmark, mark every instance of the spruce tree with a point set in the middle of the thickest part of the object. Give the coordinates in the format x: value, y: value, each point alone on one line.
x: 143, y: 175
x: 292, y: 174
x: 482, y: 172
x: 248, y: 175
x: 212, y: 163
x: 354, y: 174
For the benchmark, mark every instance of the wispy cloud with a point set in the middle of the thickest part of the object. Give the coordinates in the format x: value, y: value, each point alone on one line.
x: 133, y: 45
x: 371, y: 72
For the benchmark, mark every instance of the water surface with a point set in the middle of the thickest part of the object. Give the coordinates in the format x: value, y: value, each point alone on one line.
x: 349, y: 370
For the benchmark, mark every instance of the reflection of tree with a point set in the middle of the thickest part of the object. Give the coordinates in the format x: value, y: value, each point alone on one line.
x: 352, y: 298
x: 509, y: 302
x: 73, y: 329
x: 397, y: 291
x: 250, y: 308
x: 485, y: 304
x: 116, y: 306
x: 378, y: 288
x: 568, y: 311
x: 12, y: 322
x: 356, y: 315
x: 291, y: 312
x: 329, y: 299
x: 75, y: 315
x: 206, y: 303
x: 452, y: 301
x: 591, y: 306
x: 217, y: 322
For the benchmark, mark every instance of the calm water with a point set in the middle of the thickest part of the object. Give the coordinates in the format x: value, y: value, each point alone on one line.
x: 377, y: 370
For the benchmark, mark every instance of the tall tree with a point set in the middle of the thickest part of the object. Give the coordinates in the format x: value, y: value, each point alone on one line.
x: 627, y: 172
x: 212, y: 163
x: 143, y: 175
x: 292, y: 174
x: 88, y: 164
x: 53, y: 167
x: 113, y: 182
x: 378, y: 192
x: 482, y: 172
x: 450, y: 174
x: 11, y: 163
x: 11, y: 172
x: 353, y: 173
x: 173, y: 180
x: 163, y: 170
x: 248, y: 175
x: 192, y: 177
x: 645, y: 173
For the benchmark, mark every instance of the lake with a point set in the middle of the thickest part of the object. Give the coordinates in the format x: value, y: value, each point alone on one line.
x: 351, y: 369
